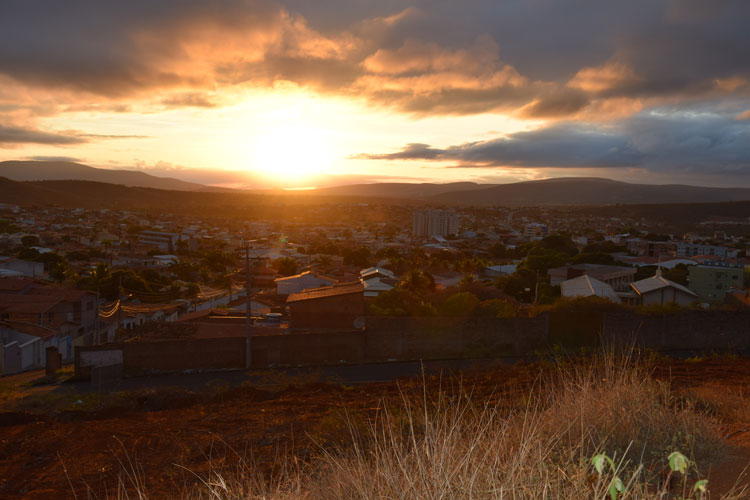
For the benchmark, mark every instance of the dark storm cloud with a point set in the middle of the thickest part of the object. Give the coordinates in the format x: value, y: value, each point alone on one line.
x: 546, y: 58
x: 566, y: 145
x: 19, y: 135
x: 661, y: 143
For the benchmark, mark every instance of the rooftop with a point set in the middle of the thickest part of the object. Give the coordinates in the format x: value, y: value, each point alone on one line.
x: 657, y: 282
x: 327, y: 291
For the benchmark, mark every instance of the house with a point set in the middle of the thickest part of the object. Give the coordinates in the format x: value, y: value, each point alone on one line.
x: 659, y: 290
x: 617, y: 277
x: 586, y: 286
x: 374, y: 286
x: 376, y: 272
x: 338, y: 306
x: 299, y: 282
x: 34, y: 316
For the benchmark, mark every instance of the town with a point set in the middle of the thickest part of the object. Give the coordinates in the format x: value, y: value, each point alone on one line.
x: 339, y: 275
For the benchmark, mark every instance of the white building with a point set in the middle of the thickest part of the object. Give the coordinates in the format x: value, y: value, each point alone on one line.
x: 693, y: 249
x: 428, y: 223
x: 586, y: 286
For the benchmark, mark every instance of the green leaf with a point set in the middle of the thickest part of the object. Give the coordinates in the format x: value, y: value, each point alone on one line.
x: 700, y: 486
x: 678, y: 462
x: 615, y: 487
x: 598, y: 461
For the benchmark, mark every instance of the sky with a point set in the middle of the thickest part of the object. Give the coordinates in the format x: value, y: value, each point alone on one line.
x: 266, y: 94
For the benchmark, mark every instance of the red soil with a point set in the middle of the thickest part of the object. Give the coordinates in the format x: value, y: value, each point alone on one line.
x: 50, y: 456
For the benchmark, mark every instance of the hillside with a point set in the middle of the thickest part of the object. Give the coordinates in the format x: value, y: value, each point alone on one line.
x: 63, y: 170
x: 589, y: 191
x: 398, y: 189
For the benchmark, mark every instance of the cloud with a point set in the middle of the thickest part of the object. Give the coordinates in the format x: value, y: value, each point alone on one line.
x: 112, y: 136
x: 657, y: 142
x: 566, y: 145
x: 55, y: 158
x: 10, y: 135
x: 190, y: 99
x: 542, y: 59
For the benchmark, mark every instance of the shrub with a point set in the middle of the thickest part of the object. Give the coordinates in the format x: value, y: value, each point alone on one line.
x: 557, y: 443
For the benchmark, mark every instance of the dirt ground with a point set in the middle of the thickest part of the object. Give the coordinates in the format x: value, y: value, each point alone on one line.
x: 56, y: 440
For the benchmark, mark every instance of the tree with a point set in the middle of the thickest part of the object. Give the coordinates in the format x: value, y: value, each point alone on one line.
x: 459, y: 304
x: 30, y: 240
x: 594, y: 258
x: 498, y: 251
x: 496, y: 308
x: 27, y: 253
x: 285, y: 266
x: 360, y: 257
x: 417, y: 282
x: 59, y: 272
x: 521, y: 285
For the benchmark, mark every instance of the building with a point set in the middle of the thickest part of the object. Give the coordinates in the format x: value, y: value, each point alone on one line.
x: 163, y: 241
x: 34, y: 316
x: 375, y: 286
x: 645, y: 248
x: 299, y: 282
x: 693, y: 249
x: 376, y: 280
x: 659, y: 290
x: 535, y: 230
x: 712, y: 282
x: 339, y: 306
x: 586, y: 286
x: 618, y: 277
x: 427, y: 223
x: 15, y: 267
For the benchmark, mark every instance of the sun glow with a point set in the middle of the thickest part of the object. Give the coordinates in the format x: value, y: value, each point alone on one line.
x: 292, y: 153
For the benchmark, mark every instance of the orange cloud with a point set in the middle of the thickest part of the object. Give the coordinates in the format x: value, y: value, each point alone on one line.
x: 611, y: 75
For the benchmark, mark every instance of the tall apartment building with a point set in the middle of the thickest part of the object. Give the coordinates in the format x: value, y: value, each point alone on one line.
x: 434, y: 223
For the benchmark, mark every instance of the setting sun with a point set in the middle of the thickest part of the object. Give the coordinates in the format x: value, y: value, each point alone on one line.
x: 291, y: 154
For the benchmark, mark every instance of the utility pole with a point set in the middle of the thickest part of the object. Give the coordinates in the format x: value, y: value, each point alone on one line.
x: 248, y: 325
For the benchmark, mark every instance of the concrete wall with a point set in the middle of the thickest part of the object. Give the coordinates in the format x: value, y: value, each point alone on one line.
x: 165, y: 356
x: 383, y: 339
x: 431, y: 338
x: 688, y: 330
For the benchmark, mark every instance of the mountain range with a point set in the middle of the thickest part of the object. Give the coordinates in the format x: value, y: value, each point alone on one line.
x: 547, y: 192
x: 65, y: 183
x: 66, y: 170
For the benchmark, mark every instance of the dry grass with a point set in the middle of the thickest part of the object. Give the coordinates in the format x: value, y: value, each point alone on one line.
x: 447, y: 445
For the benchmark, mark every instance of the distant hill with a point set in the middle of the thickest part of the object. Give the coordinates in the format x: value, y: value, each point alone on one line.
x: 398, y: 189
x: 65, y: 170
x: 548, y: 192
x: 589, y: 191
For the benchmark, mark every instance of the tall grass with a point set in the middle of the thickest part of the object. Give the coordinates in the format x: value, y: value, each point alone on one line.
x: 448, y: 444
